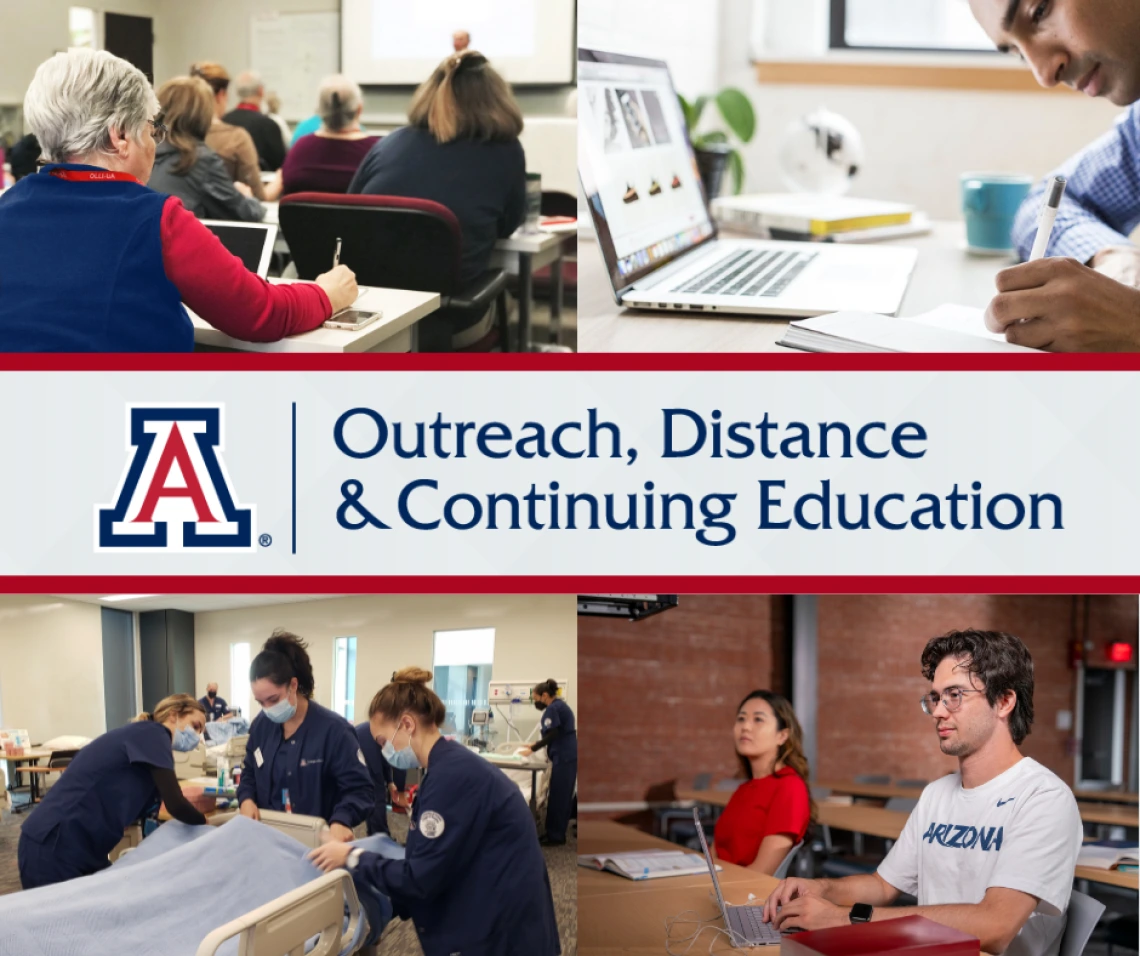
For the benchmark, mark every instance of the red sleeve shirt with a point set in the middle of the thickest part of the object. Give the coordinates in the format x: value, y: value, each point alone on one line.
x: 759, y: 808
x: 216, y: 286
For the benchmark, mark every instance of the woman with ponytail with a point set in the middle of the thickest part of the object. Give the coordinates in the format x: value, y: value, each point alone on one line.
x: 111, y: 783
x: 301, y: 757
x: 461, y: 149
x: 473, y: 880
x: 770, y: 812
x: 560, y: 739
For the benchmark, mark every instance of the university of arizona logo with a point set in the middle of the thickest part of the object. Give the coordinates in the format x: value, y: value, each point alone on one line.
x: 175, y: 494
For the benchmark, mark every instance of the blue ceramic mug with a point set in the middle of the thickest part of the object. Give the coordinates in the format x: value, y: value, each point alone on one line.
x: 990, y: 202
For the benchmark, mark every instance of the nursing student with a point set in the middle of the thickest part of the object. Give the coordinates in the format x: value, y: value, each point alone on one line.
x: 770, y: 812
x: 561, y: 741
x: 110, y: 784
x: 301, y: 757
x: 473, y: 879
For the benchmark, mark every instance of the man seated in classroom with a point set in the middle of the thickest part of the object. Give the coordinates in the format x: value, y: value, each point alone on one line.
x: 1086, y: 296
x: 266, y: 133
x: 989, y: 850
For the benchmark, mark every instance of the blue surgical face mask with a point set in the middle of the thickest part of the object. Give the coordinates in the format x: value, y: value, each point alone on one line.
x: 185, y: 739
x: 404, y: 759
x: 282, y: 711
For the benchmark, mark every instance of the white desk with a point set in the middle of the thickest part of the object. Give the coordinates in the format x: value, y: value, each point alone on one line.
x: 394, y: 332
x: 519, y: 254
x: 944, y: 273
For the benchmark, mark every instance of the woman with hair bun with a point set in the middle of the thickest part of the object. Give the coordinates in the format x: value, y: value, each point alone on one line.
x: 110, y: 784
x: 473, y: 879
x: 561, y: 741
x: 301, y: 757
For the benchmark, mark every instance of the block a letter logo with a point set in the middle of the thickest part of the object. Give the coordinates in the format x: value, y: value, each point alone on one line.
x: 175, y: 494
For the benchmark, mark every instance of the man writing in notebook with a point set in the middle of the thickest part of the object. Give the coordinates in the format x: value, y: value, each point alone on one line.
x: 989, y: 850
x: 1086, y: 296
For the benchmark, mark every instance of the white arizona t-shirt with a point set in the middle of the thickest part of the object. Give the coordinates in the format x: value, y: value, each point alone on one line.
x: 1021, y: 830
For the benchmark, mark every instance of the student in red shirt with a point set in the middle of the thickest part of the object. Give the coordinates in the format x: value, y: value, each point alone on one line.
x: 770, y: 812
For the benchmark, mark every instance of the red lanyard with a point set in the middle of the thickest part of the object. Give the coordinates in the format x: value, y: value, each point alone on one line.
x: 93, y: 176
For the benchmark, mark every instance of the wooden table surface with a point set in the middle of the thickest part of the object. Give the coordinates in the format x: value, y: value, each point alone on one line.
x: 1107, y: 796
x: 882, y: 791
x: 1110, y: 813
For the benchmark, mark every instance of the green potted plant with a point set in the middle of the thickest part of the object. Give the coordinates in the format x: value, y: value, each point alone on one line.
x: 714, y: 151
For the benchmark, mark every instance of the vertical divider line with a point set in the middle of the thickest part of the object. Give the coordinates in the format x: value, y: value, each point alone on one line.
x: 294, y: 478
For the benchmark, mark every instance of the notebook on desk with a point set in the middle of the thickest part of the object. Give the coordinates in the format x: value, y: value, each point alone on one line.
x: 949, y: 328
x: 645, y: 864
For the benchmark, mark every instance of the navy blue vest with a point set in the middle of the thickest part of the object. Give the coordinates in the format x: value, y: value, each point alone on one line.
x: 81, y: 269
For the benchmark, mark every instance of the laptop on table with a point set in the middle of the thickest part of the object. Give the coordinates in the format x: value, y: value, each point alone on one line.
x: 657, y: 236
x: 745, y: 924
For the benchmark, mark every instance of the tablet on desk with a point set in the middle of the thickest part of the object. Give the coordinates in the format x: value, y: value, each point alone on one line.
x: 353, y: 320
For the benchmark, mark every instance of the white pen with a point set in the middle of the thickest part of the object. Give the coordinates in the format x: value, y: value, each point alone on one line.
x: 336, y: 255
x: 1048, y: 217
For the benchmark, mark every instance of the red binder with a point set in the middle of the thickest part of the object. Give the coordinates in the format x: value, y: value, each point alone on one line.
x: 912, y: 935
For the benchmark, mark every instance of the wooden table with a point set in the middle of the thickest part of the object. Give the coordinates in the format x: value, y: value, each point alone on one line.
x: 943, y: 274
x: 714, y: 798
x: 1107, y: 796
x: 14, y: 768
x: 616, y: 915
x: 880, y: 791
x: 1111, y: 814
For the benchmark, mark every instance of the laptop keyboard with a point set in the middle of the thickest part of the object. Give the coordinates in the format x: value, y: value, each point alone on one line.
x: 754, y: 929
x: 748, y: 273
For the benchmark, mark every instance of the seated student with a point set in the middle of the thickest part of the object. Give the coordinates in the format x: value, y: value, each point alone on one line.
x: 23, y: 157
x: 266, y: 135
x: 461, y: 150
x: 232, y: 143
x: 1086, y: 295
x: 91, y: 260
x: 770, y: 812
x: 184, y: 166
x: 326, y: 161
x: 989, y: 850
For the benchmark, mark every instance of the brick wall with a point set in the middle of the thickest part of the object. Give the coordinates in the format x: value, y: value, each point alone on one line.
x: 658, y: 697
x: 870, y: 682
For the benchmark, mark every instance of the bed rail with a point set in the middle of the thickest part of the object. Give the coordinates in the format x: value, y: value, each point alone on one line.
x: 282, y: 926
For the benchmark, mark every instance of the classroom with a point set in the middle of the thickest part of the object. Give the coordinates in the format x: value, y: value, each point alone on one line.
x: 337, y: 176
x: 799, y: 738
x: 835, y: 164
x: 422, y: 781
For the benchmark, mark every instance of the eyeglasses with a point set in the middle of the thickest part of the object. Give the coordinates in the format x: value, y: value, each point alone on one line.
x: 158, y: 129
x: 952, y: 700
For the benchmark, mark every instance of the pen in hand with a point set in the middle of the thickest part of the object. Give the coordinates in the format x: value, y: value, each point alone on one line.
x: 1048, y: 217
x: 336, y: 255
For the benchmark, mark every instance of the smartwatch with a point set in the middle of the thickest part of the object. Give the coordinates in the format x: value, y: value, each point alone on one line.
x: 861, y: 913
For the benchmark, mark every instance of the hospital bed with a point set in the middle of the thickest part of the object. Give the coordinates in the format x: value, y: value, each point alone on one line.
x: 530, y: 774
x: 323, y: 915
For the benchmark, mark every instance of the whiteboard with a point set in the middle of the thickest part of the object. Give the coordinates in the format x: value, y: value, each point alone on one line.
x: 293, y: 52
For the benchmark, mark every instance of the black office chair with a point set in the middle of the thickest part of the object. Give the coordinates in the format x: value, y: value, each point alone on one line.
x: 397, y: 243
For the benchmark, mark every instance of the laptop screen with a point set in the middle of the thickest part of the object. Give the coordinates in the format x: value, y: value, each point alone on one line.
x: 246, y: 241
x: 636, y: 165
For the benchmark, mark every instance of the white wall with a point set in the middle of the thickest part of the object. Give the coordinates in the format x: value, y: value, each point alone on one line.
x: 32, y: 32
x: 219, y: 30
x: 51, y: 666
x: 536, y: 637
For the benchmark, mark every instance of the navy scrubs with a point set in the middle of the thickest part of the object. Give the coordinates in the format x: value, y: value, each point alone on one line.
x: 215, y: 710
x: 563, y: 767
x: 473, y: 881
x: 320, y: 765
x: 105, y: 789
x: 381, y: 773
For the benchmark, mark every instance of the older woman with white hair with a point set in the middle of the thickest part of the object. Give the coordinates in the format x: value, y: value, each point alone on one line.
x: 91, y: 260
x: 326, y: 161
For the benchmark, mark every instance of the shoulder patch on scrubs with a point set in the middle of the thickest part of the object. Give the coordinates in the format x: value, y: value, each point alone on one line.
x: 546, y: 722
x: 431, y: 825
x: 360, y: 756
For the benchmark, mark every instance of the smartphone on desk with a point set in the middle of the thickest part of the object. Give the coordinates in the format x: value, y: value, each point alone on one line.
x: 353, y: 320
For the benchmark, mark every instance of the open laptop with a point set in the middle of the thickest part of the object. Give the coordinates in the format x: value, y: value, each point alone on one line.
x: 745, y: 923
x: 657, y: 236
x: 252, y: 242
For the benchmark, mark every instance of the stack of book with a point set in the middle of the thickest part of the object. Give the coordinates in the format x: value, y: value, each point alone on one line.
x: 813, y: 218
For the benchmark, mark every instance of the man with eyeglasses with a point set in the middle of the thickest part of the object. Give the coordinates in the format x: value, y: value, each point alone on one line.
x: 1086, y: 297
x: 989, y: 850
